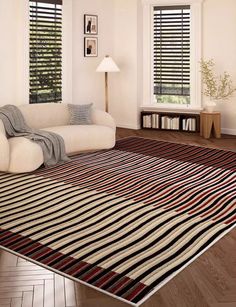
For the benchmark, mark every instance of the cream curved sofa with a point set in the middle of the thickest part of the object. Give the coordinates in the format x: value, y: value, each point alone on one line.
x: 19, y: 155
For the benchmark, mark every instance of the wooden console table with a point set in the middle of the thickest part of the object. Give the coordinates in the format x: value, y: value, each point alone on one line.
x: 210, y: 122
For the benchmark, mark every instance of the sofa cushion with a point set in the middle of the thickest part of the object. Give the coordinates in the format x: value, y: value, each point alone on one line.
x: 80, y: 114
x: 85, y: 137
x: 25, y: 155
x: 43, y: 115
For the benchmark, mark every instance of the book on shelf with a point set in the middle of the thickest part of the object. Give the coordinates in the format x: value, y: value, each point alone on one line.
x: 170, y: 123
x: 175, y: 123
x: 189, y: 124
x: 155, y: 121
x: 147, y: 121
x: 151, y: 121
x: 184, y: 124
x: 163, y: 122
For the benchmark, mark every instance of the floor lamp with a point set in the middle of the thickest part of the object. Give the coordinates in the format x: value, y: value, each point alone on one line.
x: 107, y: 65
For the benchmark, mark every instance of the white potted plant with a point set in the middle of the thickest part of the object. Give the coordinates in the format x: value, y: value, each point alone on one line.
x: 216, y: 88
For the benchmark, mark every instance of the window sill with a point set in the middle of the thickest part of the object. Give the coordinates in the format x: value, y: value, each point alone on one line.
x: 171, y: 108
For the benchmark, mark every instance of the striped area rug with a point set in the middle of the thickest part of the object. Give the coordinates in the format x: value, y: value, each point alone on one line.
x: 124, y: 221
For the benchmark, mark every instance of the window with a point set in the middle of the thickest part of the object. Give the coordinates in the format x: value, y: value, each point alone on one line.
x: 171, y: 54
x: 45, y: 51
x: 172, y: 50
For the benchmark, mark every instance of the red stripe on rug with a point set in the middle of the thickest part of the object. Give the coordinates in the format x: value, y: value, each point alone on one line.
x: 135, y: 292
x: 223, y: 213
x: 233, y: 219
x: 215, y: 207
x: 33, y: 246
x: 105, y: 279
x: 4, y: 234
x: 10, y: 242
x: 7, y: 233
x: 123, y: 282
x: 92, y: 273
x: 63, y: 263
x: 205, y: 203
x: 47, y: 260
x: 77, y: 268
x: 40, y: 253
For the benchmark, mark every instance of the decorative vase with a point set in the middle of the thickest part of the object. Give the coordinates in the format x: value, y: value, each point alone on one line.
x: 210, y: 106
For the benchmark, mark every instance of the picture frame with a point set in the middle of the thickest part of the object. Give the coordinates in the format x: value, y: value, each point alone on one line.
x: 90, y: 24
x: 90, y: 46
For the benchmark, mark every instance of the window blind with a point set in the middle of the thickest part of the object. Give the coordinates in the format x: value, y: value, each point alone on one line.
x: 171, y: 50
x: 45, y: 51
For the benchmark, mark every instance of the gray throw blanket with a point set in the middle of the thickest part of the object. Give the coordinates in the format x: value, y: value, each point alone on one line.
x: 52, y: 144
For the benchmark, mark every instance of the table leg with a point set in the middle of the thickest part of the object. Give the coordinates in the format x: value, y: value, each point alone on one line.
x: 217, y: 127
x: 207, y: 126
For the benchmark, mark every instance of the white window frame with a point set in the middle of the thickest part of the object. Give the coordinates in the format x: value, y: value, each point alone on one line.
x: 67, y: 50
x: 195, y: 54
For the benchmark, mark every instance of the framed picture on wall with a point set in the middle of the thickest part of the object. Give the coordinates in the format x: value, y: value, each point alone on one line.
x: 90, y: 47
x: 91, y: 24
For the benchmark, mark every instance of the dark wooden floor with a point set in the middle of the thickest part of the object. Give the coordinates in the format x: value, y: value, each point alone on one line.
x: 210, y: 281
x: 225, y: 142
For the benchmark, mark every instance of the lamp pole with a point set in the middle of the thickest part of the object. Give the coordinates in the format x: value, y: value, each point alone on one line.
x: 106, y: 91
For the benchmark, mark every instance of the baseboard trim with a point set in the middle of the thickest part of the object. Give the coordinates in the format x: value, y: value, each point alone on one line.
x: 134, y: 127
x: 228, y: 131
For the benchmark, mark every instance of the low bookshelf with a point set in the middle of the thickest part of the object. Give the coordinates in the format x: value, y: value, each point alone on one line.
x: 189, y: 122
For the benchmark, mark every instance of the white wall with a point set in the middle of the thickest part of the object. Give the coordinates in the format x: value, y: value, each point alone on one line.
x: 13, y: 52
x: 219, y: 43
x: 89, y: 86
x: 124, y: 86
x: 7, y: 55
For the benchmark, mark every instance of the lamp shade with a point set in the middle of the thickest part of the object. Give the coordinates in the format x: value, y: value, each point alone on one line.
x: 107, y: 65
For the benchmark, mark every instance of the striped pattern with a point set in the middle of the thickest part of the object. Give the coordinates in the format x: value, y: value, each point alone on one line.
x: 124, y: 220
x: 80, y: 114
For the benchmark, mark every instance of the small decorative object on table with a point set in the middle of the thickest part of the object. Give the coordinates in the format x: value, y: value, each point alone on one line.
x: 215, y: 88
